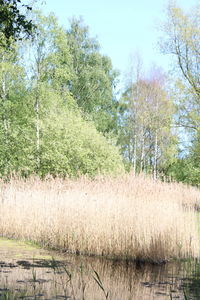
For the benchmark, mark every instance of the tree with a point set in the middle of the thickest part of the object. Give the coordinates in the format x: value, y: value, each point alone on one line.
x: 14, y: 23
x: 15, y: 116
x: 146, y: 136
x: 94, y: 79
x: 71, y: 146
x: 186, y: 169
x: 194, y: 160
x: 182, y: 40
x: 64, y: 143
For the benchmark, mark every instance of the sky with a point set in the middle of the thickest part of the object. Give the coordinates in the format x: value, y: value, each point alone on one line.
x: 122, y: 27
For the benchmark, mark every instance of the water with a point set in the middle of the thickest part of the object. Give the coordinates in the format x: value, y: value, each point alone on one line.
x: 30, y: 273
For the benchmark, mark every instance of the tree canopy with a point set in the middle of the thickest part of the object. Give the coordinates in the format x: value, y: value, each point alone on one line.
x: 14, y: 23
x: 43, y: 130
x: 182, y: 41
x: 59, y: 113
x: 94, y: 78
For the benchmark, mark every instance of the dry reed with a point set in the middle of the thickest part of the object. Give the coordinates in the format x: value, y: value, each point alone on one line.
x: 126, y: 217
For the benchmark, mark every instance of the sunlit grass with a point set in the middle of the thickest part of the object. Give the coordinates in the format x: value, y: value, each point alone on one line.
x: 127, y: 217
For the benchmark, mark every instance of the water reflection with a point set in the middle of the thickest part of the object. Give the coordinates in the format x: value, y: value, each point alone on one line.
x: 80, y: 278
x: 191, y: 283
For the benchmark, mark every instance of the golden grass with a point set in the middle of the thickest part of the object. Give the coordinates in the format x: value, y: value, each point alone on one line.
x: 126, y: 217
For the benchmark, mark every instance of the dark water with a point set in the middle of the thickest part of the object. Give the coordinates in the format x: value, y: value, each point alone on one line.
x: 30, y: 273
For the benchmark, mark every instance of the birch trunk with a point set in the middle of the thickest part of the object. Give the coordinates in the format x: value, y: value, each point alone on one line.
x: 142, y: 153
x: 135, y: 155
x: 5, y: 121
x: 4, y: 115
x: 155, y: 157
x: 37, y: 134
x: 37, y: 107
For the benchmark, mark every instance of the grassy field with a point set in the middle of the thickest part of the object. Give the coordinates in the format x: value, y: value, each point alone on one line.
x: 124, y: 218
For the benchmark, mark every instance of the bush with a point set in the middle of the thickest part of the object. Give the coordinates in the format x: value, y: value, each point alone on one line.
x: 71, y: 146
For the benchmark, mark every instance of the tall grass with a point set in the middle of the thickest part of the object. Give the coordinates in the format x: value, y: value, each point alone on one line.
x: 126, y: 217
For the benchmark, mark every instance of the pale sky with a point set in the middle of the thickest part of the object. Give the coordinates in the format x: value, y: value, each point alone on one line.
x: 121, y: 26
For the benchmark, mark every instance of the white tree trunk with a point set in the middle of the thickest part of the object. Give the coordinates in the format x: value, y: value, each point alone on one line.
x: 37, y: 134
x: 155, y: 157
x: 5, y: 121
x: 135, y: 155
x: 142, y: 153
x: 3, y: 97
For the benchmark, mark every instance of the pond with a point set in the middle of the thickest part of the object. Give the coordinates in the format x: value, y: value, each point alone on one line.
x: 27, y: 272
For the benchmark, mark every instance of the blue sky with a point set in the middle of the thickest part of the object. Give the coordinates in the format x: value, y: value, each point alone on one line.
x: 121, y: 26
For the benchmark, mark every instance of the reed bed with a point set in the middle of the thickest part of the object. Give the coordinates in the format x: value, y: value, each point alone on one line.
x: 127, y: 217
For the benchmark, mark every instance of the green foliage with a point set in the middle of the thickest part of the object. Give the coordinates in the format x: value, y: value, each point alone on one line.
x: 179, y: 170
x: 187, y: 169
x: 14, y: 22
x: 53, y: 61
x: 194, y: 157
x: 42, y: 129
x: 181, y: 40
x: 182, y: 35
x: 15, y: 134
x: 71, y: 146
x: 146, y: 138
x: 94, y: 78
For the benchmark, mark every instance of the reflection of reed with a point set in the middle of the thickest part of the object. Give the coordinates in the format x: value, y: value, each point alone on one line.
x: 75, y: 279
x: 126, y: 218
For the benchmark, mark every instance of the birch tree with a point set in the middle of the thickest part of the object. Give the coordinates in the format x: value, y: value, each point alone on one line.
x: 94, y: 78
x: 15, y: 131
x: 147, y: 117
x: 39, y: 50
x: 182, y: 41
x: 65, y: 144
